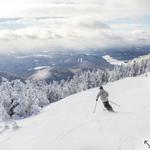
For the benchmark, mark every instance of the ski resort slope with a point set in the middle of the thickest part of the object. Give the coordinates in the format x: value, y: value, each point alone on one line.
x: 70, y: 124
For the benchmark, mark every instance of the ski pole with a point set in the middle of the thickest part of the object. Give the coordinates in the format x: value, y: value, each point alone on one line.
x: 95, y: 107
x: 115, y: 103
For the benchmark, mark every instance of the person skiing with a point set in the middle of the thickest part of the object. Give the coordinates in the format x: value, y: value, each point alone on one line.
x: 104, y: 98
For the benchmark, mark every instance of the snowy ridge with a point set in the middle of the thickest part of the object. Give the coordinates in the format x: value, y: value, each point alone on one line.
x: 42, y: 67
x: 113, y: 61
x: 141, y: 58
x: 71, y: 125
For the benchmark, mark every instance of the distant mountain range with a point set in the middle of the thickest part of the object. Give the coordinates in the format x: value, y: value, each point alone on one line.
x: 61, y: 65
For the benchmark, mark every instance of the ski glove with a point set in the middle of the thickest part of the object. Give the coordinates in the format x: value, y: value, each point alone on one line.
x: 97, y: 99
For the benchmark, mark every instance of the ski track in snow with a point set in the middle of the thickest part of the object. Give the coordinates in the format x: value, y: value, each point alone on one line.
x: 67, y: 133
x: 3, y: 130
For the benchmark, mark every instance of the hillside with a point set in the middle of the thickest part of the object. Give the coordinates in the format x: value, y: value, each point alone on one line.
x: 70, y: 124
x: 56, y: 66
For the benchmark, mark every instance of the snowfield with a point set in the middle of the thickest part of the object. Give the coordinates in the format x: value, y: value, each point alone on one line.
x: 41, y: 74
x: 70, y: 124
x: 113, y: 61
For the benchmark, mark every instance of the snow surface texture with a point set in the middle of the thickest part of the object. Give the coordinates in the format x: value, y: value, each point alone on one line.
x: 70, y: 124
x: 113, y: 61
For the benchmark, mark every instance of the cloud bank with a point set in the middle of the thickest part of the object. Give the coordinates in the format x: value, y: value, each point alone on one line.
x: 30, y: 25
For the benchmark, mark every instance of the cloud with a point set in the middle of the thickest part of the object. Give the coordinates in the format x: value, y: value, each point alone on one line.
x: 72, y: 24
x: 95, y: 25
x: 103, y: 8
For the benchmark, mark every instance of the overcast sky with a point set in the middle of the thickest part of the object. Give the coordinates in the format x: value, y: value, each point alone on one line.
x: 29, y: 25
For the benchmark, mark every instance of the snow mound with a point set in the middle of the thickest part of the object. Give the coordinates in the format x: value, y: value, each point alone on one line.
x: 70, y: 124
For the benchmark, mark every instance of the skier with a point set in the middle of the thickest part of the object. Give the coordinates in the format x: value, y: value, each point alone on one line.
x: 104, y: 97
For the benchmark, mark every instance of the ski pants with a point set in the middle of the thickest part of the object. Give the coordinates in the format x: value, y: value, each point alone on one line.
x: 108, y: 106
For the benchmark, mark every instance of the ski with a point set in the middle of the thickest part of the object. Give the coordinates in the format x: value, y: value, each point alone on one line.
x: 109, y: 111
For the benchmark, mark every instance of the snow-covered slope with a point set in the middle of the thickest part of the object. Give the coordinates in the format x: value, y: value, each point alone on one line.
x: 113, y: 61
x: 70, y: 124
x: 41, y: 74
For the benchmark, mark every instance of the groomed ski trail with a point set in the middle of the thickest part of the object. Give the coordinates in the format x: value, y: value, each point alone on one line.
x: 71, y: 125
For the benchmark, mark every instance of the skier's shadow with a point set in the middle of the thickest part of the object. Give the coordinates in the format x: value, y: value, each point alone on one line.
x: 124, y: 113
x: 89, y: 148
